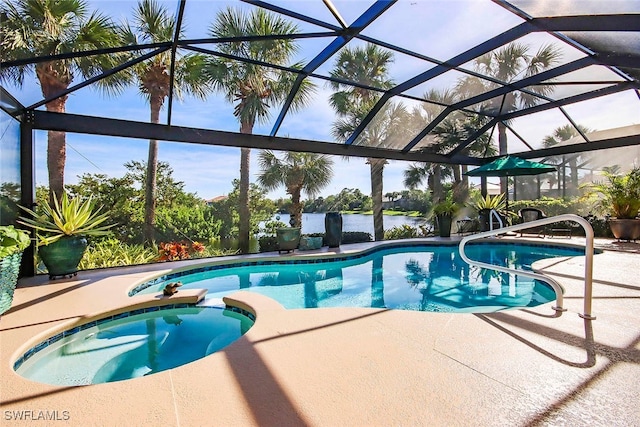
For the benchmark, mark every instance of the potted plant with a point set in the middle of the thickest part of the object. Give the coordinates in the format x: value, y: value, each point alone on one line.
x: 620, y: 197
x: 444, y: 212
x: 484, y: 206
x: 62, y: 231
x: 13, y: 242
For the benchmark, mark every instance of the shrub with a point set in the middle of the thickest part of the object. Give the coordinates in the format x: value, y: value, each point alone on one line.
x: 347, y: 237
x: 551, y: 206
x: 114, y: 253
x: 406, y: 232
x: 174, y: 251
x: 270, y: 227
x: 600, y: 227
x: 268, y: 243
x: 355, y: 237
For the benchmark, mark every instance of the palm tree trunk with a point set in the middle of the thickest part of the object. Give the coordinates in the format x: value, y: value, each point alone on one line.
x: 431, y: 184
x: 150, y: 188
x: 296, y: 207
x: 376, y: 167
x: 461, y: 184
x: 52, y: 82
x: 459, y: 193
x: 502, y: 150
x: 243, y: 201
x: 56, y: 154
x: 438, y: 194
x: 243, y: 198
x: 573, y: 168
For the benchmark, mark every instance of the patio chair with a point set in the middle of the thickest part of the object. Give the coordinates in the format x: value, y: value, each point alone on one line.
x: 532, y: 214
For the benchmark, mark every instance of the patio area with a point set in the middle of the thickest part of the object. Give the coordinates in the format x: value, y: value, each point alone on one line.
x: 356, y: 366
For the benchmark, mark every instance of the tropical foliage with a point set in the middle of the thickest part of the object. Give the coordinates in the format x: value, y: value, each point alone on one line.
x: 512, y: 62
x: 497, y: 202
x: 406, y: 231
x: 227, y: 211
x: 560, y: 135
x: 368, y: 65
x: 297, y: 172
x: 253, y: 89
x: 175, y: 251
x: 12, y: 240
x: 619, y: 195
x: 349, y: 199
x: 40, y: 28
x: 152, y: 23
x: 111, y: 252
x: 180, y: 215
x: 69, y: 217
x: 444, y: 137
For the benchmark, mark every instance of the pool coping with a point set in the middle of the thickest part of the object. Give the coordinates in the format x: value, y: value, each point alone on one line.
x: 139, y: 303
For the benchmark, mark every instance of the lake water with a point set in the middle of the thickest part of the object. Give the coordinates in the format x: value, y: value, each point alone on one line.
x: 314, y: 222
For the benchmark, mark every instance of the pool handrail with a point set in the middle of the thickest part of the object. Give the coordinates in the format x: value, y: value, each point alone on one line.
x: 588, y: 266
x: 495, y: 213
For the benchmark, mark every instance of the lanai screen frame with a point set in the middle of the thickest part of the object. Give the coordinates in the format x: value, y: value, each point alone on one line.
x: 584, y: 30
x: 555, y: 25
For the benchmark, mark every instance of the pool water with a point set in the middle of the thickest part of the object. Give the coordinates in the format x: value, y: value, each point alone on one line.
x: 422, y: 278
x: 133, y: 346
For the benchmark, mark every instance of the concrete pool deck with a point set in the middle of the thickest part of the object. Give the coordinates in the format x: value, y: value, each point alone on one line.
x: 356, y: 366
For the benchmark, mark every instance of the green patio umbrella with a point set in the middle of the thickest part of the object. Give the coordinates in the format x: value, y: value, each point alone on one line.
x: 511, y: 166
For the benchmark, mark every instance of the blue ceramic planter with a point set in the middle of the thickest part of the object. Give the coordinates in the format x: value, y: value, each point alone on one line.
x: 9, y: 269
x: 63, y: 256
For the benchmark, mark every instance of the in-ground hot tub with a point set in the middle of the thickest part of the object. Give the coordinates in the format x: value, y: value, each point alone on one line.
x: 132, y: 344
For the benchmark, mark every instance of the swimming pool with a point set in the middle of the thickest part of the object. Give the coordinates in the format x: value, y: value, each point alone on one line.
x: 133, y: 344
x: 408, y: 277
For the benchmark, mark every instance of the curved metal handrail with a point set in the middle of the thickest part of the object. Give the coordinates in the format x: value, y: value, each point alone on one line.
x: 495, y: 213
x: 588, y: 266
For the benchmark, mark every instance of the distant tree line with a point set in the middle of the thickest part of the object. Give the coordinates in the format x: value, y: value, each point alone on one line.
x: 352, y: 199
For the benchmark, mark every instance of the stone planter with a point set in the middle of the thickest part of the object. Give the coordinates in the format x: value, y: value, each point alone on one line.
x: 444, y: 225
x: 9, y: 269
x: 310, y: 243
x: 333, y: 229
x: 288, y: 239
x: 63, y: 256
x: 625, y: 229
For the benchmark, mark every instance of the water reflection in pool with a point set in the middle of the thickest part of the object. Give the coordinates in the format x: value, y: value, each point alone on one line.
x: 423, y: 278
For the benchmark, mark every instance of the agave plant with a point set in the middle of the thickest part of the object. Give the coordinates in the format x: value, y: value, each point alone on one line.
x: 496, y: 202
x: 69, y: 217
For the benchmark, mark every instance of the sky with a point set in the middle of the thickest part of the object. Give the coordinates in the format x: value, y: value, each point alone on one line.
x: 436, y: 28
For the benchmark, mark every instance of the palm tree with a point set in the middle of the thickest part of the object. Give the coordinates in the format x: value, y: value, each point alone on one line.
x: 254, y: 88
x: 297, y: 172
x: 511, y: 63
x: 152, y: 23
x: 36, y: 28
x: 434, y: 173
x: 561, y: 134
x: 368, y: 65
x: 417, y: 173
